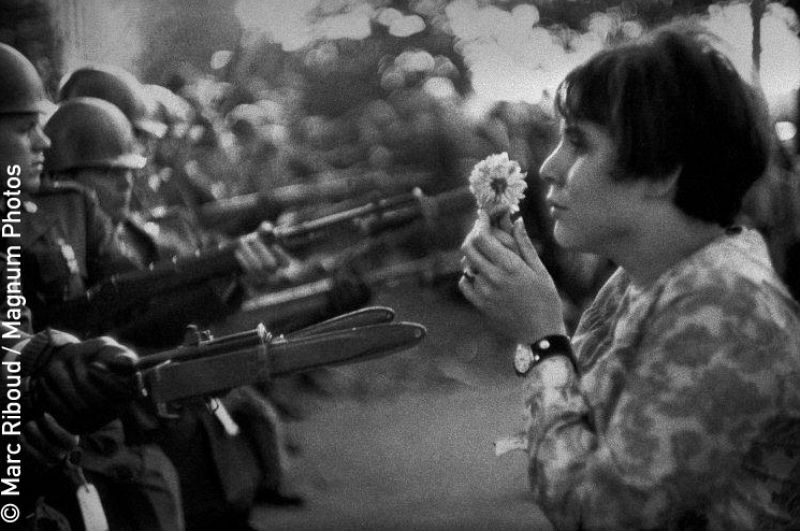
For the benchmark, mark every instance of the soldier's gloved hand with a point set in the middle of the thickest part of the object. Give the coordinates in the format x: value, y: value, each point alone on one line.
x: 349, y: 292
x: 258, y: 260
x: 82, y: 384
x: 46, y: 443
x: 268, y: 263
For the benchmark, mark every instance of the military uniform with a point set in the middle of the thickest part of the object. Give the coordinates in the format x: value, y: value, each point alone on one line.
x: 92, y: 142
x: 162, y: 321
x: 221, y: 474
x: 162, y: 234
x: 67, y: 246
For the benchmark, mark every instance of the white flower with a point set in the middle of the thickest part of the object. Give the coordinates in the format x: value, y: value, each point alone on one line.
x: 498, y: 185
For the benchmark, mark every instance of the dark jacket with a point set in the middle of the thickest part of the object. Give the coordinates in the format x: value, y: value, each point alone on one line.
x: 161, y: 322
x: 67, y: 246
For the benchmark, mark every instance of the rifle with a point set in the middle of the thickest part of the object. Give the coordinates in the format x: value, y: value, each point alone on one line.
x: 204, y: 366
x: 238, y: 214
x: 102, y: 305
x: 296, y: 306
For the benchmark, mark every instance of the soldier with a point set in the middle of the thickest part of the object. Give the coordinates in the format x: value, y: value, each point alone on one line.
x: 65, y: 242
x: 93, y: 144
x: 70, y: 389
x: 65, y: 239
x: 152, y: 187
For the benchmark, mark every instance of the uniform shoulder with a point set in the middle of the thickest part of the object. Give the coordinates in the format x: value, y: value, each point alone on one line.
x: 71, y: 196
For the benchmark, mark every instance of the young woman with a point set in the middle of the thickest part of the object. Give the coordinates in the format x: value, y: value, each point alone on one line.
x: 676, y: 403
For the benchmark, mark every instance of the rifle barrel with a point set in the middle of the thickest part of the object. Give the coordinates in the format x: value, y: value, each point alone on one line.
x: 430, y: 266
x: 99, y: 308
x: 330, y: 187
x: 287, y: 235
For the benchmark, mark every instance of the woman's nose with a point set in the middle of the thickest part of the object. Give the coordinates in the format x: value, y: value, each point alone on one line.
x: 551, y: 170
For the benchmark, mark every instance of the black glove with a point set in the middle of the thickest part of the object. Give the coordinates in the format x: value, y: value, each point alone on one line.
x: 46, y: 443
x: 82, y: 384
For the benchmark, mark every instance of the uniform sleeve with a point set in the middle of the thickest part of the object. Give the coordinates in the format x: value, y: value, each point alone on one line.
x: 684, y: 409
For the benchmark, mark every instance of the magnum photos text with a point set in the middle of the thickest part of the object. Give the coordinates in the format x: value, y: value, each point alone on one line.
x: 14, y: 304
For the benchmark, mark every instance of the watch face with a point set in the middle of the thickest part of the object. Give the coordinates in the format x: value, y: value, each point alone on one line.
x: 523, y: 359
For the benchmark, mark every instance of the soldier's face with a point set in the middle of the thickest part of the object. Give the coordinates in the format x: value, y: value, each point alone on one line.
x: 113, y: 188
x: 22, y: 144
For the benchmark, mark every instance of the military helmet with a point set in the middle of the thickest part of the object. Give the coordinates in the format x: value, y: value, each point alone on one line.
x: 90, y: 133
x: 21, y: 88
x: 117, y: 86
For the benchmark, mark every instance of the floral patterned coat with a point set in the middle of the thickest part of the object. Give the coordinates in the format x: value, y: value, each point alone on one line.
x: 686, y: 413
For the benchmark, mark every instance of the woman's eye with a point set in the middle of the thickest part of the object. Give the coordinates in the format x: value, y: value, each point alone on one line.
x: 576, y: 142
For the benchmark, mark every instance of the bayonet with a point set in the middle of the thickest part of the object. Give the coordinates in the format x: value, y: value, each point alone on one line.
x: 207, y: 366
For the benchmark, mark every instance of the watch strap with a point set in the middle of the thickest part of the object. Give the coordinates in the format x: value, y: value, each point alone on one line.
x: 546, y: 347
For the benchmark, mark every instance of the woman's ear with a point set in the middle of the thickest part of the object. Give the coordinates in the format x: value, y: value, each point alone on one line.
x: 662, y: 187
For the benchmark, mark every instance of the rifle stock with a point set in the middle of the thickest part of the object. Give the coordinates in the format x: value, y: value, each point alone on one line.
x: 102, y: 305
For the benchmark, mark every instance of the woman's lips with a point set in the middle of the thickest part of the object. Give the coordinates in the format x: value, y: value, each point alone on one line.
x: 556, y: 209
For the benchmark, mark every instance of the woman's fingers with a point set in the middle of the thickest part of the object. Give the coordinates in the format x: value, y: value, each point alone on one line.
x: 492, y: 250
x: 476, y: 263
x: 526, y: 248
x: 505, y: 238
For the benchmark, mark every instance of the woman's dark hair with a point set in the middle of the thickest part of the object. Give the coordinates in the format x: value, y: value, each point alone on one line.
x: 671, y: 101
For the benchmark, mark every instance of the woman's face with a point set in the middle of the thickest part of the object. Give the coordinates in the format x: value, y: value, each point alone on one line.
x: 22, y: 143
x: 592, y: 212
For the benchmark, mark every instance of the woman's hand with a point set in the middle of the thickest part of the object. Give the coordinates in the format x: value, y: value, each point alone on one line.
x: 512, y: 289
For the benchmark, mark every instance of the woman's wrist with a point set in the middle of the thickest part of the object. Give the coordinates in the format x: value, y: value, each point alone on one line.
x: 529, y: 355
x: 539, y: 332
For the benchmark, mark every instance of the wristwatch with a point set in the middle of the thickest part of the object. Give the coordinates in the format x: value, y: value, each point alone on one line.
x: 527, y: 356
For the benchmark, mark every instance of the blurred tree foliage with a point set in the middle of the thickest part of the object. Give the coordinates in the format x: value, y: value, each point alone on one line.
x: 27, y: 26
x: 574, y: 13
x: 181, y: 36
x: 334, y: 75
